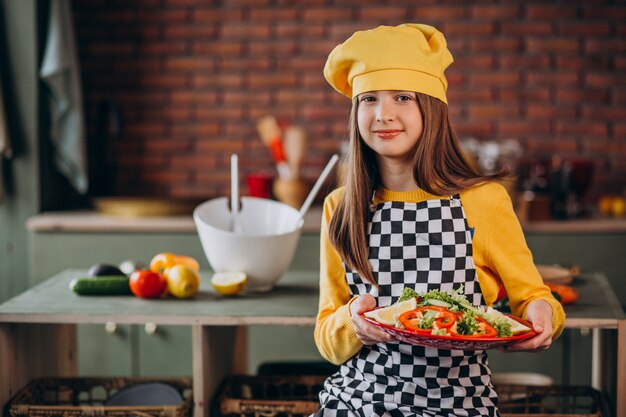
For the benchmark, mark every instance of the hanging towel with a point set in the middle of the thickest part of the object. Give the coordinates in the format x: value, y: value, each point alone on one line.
x: 61, y: 73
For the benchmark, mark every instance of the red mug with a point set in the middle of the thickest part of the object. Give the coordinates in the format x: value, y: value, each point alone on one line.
x: 260, y: 185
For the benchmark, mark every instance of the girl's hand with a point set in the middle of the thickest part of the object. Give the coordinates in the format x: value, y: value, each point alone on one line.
x: 539, y: 313
x: 367, y: 333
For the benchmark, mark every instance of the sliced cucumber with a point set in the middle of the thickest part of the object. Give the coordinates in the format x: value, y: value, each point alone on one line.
x: 439, y: 303
x: 103, y: 285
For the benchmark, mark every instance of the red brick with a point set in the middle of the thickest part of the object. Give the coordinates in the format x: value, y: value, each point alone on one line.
x: 518, y: 127
x: 525, y: 94
x: 493, y: 111
x: 458, y: 95
x: 495, y: 12
x: 515, y: 61
x: 602, y: 79
x: 495, y: 45
x: 550, y: 146
x: 619, y: 129
x: 474, y: 61
x: 272, y: 14
x: 550, y: 12
x: 168, y: 145
x: 240, y: 65
x: 585, y: 28
x: 238, y: 98
x: 562, y: 78
x: 441, y: 12
x: 577, y: 95
x: 546, y: 111
x: 144, y: 129
x: 219, y: 113
x: 501, y: 79
x: 480, y: 129
x: 164, y: 81
x: 186, y: 31
x: 136, y: 67
x: 381, y: 12
x: 596, y: 11
x: 189, y: 64
x: 190, y: 97
x: 474, y: 29
x: 221, y: 80
x: 216, y: 15
x: 620, y: 62
x: 272, y: 80
x: 163, y: 48
x: 239, y: 30
x: 605, y: 46
x: 619, y: 96
x: 280, y: 48
x: 326, y: 14
x: 587, y: 62
x: 555, y: 45
x: 609, y: 113
x: 526, y: 28
x: 220, y: 48
x: 195, y: 130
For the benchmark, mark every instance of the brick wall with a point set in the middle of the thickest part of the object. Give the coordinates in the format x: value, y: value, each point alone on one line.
x: 192, y: 76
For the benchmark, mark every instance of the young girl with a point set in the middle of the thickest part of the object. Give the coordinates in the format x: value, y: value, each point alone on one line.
x: 413, y: 213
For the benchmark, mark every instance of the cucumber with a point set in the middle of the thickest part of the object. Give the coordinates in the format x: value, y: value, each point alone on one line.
x: 102, y: 285
x: 439, y: 303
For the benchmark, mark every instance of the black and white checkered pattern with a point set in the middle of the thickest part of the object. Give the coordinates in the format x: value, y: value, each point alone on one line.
x: 426, y: 245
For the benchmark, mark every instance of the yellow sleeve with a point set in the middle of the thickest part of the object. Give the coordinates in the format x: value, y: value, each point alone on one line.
x: 509, y: 258
x: 334, y: 333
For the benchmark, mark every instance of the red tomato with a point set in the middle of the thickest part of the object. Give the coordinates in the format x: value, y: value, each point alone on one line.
x: 147, y: 284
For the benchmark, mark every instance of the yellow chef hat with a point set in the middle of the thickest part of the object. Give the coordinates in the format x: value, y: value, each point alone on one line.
x: 409, y: 57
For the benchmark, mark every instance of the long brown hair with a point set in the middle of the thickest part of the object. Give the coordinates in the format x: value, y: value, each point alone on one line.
x: 439, y: 168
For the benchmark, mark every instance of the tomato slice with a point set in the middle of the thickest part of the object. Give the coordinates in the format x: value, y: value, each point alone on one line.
x: 412, y: 319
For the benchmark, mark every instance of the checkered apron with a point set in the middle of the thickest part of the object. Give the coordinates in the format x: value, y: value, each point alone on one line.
x: 425, y: 246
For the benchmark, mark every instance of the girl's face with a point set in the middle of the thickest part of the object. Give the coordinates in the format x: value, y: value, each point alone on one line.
x: 390, y: 122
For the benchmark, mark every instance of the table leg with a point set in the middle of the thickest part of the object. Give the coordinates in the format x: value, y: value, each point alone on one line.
x: 29, y: 351
x: 217, y: 351
x: 596, y: 359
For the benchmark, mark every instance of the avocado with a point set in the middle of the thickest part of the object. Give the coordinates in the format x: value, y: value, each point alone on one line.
x: 98, y: 270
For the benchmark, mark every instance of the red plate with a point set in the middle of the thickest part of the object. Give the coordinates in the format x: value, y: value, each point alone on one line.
x: 454, y: 342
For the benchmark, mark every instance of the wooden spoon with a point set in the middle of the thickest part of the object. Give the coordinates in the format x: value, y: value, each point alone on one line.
x: 295, y: 143
x: 271, y: 135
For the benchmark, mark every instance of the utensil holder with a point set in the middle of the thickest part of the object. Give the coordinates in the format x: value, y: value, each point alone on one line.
x: 292, y: 192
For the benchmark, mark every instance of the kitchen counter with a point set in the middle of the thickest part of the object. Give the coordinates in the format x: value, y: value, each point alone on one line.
x: 93, y: 221
x: 49, y: 311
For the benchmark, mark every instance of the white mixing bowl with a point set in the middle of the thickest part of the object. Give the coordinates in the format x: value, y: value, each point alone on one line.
x: 264, y: 246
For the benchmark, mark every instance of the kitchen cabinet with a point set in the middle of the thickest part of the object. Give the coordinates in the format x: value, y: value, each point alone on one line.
x: 218, y: 325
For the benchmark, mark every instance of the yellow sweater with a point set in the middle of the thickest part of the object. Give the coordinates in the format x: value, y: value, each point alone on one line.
x: 499, y: 250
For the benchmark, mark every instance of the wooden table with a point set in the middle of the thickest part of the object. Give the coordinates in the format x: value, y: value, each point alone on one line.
x: 38, y: 327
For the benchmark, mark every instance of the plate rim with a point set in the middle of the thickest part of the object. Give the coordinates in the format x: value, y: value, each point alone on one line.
x: 444, y: 338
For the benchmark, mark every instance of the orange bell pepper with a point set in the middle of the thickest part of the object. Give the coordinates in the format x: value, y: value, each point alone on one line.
x: 163, y: 261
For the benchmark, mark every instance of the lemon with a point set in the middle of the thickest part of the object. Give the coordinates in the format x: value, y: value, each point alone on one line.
x: 182, y: 281
x: 389, y: 315
x: 229, y: 283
